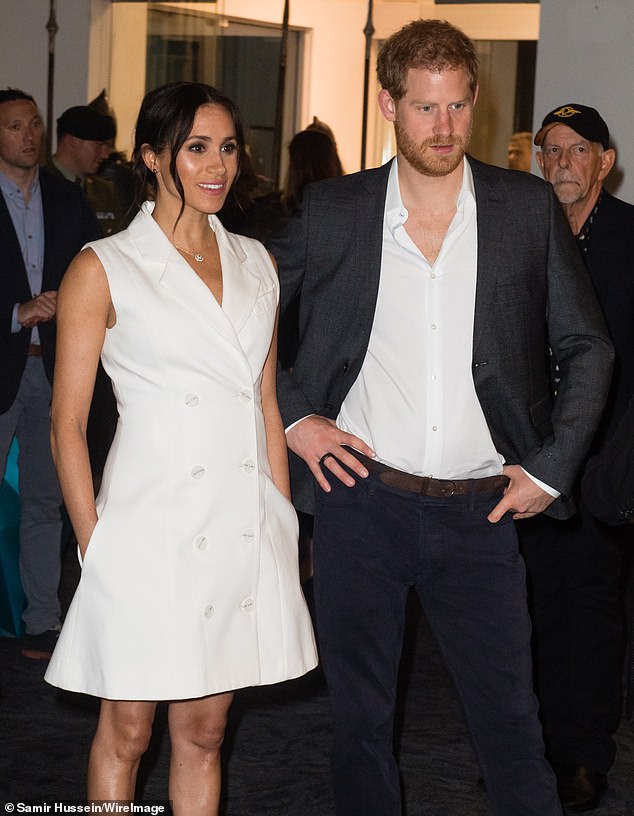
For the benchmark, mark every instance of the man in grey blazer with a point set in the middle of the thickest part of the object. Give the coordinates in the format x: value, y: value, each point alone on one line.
x: 420, y: 401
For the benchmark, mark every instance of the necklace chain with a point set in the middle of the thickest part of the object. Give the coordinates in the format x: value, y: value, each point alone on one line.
x: 195, y: 255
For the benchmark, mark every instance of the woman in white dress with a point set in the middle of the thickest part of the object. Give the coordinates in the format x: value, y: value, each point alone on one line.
x: 189, y: 585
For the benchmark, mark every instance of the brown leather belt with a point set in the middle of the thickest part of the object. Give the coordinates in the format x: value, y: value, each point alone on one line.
x: 436, y: 488
x: 34, y: 350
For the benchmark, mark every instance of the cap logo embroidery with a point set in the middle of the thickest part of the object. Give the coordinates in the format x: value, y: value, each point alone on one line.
x: 566, y: 112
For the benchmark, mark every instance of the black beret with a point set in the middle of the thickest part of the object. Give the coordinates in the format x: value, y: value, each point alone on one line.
x: 87, y: 123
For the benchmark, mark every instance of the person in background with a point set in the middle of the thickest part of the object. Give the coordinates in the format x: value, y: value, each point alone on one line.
x: 84, y: 136
x: 312, y: 156
x: 608, y: 481
x: 189, y: 586
x: 44, y: 222
x: 575, y: 566
x: 520, y: 151
x: 83, y: 144
x: 420, y: 417
x: 116, y: 168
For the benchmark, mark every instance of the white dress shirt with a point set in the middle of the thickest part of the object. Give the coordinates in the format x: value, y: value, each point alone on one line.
x: 414, y: 401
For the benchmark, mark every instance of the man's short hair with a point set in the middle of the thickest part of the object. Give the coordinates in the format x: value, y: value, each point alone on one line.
x: 434, y: 45
x: 13, y: 95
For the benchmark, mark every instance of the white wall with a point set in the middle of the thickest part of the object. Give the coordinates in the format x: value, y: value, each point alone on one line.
x: 24, y: 51
x: 585, y: 55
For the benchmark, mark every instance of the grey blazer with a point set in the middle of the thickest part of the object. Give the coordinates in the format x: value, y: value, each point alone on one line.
x: 532, y: 294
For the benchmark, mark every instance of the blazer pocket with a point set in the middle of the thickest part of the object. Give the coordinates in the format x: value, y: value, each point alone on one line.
x: 541, y: 413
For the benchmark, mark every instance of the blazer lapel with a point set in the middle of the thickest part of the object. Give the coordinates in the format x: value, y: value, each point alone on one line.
x: 370, y: 212
x: 492, y: 251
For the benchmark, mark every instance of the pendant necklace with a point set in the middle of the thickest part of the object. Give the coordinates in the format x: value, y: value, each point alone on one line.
x: 195, y: 255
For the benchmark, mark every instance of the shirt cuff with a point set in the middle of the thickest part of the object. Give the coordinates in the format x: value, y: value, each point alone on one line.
x: 297, y: 421
x: 547, y: 488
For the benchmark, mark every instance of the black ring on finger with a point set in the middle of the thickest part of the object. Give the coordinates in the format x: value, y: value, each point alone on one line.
x: 324, y: 457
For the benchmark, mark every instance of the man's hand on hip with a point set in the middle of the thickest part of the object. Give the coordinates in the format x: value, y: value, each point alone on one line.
x: 522, y: 497
x: 318, y: 441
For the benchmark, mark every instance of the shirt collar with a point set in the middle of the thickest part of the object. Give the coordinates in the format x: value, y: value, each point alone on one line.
x: 11, y: 190
x: 66, y: 173
x: 396, y: 212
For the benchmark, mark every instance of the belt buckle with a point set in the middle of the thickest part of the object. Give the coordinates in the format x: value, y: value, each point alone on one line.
x: 448, y: 488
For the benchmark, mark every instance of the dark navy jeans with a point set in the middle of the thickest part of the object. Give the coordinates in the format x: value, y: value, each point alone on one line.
x: 372, y: 544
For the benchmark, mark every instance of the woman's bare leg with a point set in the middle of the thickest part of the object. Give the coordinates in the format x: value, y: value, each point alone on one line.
x: 122, y: 737
x: 197, y: 729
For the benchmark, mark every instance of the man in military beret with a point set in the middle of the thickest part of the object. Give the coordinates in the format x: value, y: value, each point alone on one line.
x: 83, y: 144
x: 83, y: 136
x: 574, y: 567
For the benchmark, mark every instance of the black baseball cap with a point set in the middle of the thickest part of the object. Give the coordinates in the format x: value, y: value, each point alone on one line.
x: 585, y: 121
x: 87, y: 123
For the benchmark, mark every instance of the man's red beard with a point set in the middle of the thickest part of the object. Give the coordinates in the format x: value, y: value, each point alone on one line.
x: 427, y: 162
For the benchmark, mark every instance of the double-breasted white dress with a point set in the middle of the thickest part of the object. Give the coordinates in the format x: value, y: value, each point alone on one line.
x: 190, y: 582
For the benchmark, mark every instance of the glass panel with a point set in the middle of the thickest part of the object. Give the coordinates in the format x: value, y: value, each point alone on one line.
x: 241, y: 58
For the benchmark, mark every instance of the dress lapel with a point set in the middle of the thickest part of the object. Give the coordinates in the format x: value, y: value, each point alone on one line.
x: 240, y: 283
x: 178, y: 279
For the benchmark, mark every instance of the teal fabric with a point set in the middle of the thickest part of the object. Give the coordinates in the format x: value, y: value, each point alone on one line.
x: 11, y: 594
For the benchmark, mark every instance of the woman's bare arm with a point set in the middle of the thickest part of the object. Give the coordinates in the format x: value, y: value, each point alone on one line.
x: 84, y: 311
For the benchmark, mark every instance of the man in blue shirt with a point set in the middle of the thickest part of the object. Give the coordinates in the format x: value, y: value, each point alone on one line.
x: 44, y: 222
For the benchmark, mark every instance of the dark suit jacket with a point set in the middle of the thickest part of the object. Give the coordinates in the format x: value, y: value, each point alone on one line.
x: 68, y: 224
x: 610, y: 264
x: 532, y: 292
x: 608, y: 482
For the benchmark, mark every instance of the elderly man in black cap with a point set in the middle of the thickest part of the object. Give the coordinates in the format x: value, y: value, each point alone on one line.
x: 83, y: 144
x: 574, y: 567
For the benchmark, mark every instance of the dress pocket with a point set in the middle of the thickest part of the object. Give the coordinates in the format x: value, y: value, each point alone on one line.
x: 89, y: 549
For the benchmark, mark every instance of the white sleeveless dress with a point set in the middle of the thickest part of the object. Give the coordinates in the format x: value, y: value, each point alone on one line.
x: 190, y: 582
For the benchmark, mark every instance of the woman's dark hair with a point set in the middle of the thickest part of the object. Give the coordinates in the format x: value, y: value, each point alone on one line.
x: 165, y: 121
x: 312, y: 156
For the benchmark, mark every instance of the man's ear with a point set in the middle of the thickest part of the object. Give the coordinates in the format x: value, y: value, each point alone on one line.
x: 387, y: 105
x: 608, y: 158
x: 539, y: 158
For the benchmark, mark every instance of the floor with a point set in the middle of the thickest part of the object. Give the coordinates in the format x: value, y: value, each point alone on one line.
x: 276, y: 751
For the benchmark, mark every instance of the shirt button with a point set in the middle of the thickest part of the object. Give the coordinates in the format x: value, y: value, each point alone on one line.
x: 198, y: 471
x: 434, y: 427
x: 248, y: 466
x: 201, y: 542
x: 248, y: 536
x: 192, y: 400
x: 209, y: 611
x: 247, y: 605
x: 433, y: 325
x: 434, y: 377
x: 433, y: 275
